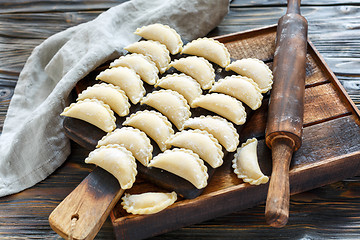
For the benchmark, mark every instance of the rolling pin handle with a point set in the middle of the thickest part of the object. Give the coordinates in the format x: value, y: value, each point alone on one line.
x: 277, y: 202
x: 293, y: 7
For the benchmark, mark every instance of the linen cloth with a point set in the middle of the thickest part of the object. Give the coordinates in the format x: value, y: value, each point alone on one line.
x: 33, y: 144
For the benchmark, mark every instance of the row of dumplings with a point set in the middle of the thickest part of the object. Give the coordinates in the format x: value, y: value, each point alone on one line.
x: 124, y: 82
x: 128, y: 71
x: 245, y: 166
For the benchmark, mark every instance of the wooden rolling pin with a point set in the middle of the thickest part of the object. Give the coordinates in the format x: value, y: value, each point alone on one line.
x: 286, y: 109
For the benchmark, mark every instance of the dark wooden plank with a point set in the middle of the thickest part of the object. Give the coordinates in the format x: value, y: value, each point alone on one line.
x: 323, y: 103
x: 268, y: 3
x: 339, y: 45
x: 57, y: 6
x: 20, y: 6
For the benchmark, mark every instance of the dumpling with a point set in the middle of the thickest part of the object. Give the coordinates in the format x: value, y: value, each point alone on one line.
x: 171, y: 104
x: 163, y: 34
x: 198, y: 68
x: 92, y: 111
x: 133, y: 140
x: 209, y: 49
x: 183, y: 84
x: 126, y: 79
x: 246, y: 165
x: 116, y: 160
x: 109, y: 94
x: 147, y: 203
x: 201, y: 143
x: 221, y: 129
x: 241, y: 88
x: 141, y: 64
x: 255, y: 69
x: 224, y: 105
x: 155, y: 125
x: 153, y: 49
x: 183, y: 163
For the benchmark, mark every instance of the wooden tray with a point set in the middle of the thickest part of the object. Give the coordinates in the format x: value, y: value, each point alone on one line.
x: 330, y: 150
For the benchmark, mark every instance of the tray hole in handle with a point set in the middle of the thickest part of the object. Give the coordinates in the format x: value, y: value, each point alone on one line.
x: 74, y: 218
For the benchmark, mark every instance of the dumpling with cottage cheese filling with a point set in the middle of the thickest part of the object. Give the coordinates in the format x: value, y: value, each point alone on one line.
x: 198, y: 68
x: 170, y: 103
x: 133, y: 140
x: 126, y: 79
x: 116, y: 160
x: 141, y: 64
x: 153, y: 49
x: 147, y: 203
x: 109, y: 94
x: 183, y: 163
x: 163, y: 34
x: 200, y: 142
x: 246, y: 165
x: 210, y: 49
x: 255, y: 69
x: 224, y: 105
x: 94, y: 112
x: 154, y: 124
x: 183, y: 84
x: 241, y: 88
x: 220, y: 128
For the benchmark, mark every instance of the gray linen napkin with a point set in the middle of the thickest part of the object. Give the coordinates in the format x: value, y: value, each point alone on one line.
x: 33, y: 143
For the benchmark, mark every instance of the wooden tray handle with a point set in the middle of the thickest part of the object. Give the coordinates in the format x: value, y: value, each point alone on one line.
x: 82, y: 213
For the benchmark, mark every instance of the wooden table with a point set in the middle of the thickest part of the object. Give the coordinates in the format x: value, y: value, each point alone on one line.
x: 332, y: 211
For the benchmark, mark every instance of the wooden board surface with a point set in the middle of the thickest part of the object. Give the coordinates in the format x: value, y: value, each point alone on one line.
x: 330, y: 121
x: 327, y: 212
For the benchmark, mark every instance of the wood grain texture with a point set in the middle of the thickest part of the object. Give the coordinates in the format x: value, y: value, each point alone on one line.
x: 85, y: 209
x: 227, y: 193
x: 331, y: 211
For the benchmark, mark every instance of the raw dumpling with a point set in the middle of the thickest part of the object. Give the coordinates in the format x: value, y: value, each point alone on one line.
x: 141, y: 64
x: 116, y: 160
x: 153, y: 49
x: 183, y: 84
x: 198, y: 68
x: 210, y: 49
x: 224, y: 105
x: 126, y: 79
x: 241, y: 88
x: 92, y: 111
x: 147, y: 203
x: 109, y: 94
x: 255, y: 69
x: 163, y: 34
x: 133, y: 140
x: 183, y: 163
x: 201, y: 143
x: 221, y: 129
x: 155, y: 125
x: 171, y: 104
x: 245, y: 163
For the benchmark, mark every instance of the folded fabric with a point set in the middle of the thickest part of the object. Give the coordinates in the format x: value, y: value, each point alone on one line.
x: 33, y: 144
